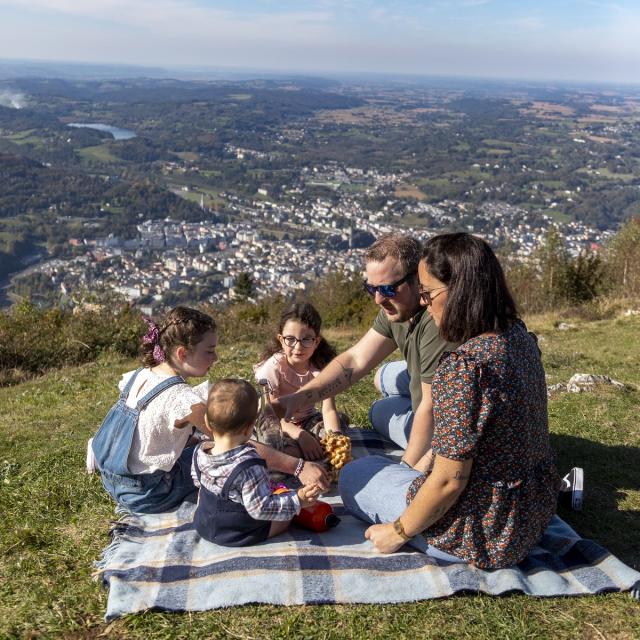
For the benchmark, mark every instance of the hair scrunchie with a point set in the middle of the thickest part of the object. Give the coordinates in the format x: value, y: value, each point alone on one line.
x: 153, y: 337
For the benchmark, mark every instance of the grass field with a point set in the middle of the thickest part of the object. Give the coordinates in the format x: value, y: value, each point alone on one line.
x: 56, y: 519
x: 99, y: 153
x: 26, y: 138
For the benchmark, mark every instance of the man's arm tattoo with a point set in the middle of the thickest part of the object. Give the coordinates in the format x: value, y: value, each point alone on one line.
x: 347, y: 372
x: 331, y: 388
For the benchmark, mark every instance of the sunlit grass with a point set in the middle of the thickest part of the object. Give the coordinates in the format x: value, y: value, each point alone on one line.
x: 56, y: 518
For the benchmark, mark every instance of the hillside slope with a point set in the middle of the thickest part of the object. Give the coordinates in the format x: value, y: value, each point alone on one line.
x: 56, y: 518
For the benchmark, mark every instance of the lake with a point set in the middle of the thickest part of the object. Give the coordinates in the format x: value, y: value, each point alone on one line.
x: 116, y: 132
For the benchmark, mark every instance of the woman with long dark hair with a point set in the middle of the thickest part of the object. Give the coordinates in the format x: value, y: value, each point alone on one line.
x: 490, y: 487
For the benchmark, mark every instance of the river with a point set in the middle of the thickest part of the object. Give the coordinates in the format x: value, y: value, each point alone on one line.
x: 116, y: 132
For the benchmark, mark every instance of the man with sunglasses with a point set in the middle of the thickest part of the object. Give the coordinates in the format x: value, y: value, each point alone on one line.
x: 404, y: 414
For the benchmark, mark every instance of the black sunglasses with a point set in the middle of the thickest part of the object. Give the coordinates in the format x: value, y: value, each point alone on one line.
x: 386, y: 290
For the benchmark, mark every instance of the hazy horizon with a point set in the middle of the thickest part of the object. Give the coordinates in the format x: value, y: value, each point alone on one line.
x: 573, y: 41
x: 78, y: 70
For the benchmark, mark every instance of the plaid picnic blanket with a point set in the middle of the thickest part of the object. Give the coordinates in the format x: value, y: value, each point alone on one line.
x: 159, y: 561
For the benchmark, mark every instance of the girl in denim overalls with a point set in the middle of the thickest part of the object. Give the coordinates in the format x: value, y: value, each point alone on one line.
x: 142, y: 449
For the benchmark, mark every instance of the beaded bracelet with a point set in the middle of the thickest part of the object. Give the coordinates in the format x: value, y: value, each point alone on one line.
x: 299, y: 467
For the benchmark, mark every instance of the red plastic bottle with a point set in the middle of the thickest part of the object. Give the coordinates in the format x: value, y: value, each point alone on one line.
x: 318, y: 517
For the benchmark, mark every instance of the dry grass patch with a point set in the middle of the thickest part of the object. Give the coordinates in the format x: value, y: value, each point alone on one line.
x: 366, y: 116
x: 409, y: 191
x: 548, y: 110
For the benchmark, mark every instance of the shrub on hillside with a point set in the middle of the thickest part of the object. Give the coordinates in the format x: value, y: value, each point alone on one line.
x: 33, y: 340
x: 622, y: 260
x: 339, y: 298
x: 245, y: 320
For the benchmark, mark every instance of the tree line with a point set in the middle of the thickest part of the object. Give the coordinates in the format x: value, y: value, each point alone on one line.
x: 551, y: 278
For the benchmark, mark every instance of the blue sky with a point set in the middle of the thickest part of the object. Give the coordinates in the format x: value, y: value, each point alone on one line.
x: 574, y: 40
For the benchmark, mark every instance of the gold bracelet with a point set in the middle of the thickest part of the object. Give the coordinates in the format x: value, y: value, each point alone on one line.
x: 399, y: 529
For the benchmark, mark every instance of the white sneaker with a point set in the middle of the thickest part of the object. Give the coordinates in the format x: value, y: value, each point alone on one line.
x: 92, y: 465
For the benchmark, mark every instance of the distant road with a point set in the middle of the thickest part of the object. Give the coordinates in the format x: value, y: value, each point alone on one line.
x: 7, y: 299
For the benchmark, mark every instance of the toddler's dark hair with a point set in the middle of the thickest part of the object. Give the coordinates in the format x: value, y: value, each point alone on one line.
x: 305, y: 313
x: 232, y: 405
x: 183, y: 326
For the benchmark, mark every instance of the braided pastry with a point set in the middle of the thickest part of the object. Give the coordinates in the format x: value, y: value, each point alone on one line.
x: 338, y: 449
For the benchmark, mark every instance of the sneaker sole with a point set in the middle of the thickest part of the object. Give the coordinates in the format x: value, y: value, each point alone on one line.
x: 90, y: 460
x: 576, y: 494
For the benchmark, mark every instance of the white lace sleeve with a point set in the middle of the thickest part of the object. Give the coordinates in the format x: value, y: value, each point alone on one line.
x: 177, y: 403
x: 157, y: 442
x: 202, y: 390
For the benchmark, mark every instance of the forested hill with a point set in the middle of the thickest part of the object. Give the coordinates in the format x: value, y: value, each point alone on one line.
x: 312, y: 158
x: 47, y: 205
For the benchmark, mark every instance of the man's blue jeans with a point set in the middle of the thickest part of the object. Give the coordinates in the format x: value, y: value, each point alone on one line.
x: 374, y: 489
x: 392, y: 416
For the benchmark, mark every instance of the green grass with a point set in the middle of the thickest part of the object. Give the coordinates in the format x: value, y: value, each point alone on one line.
x: 26, y: 138
x: 607, y: 174
x: 99, y: 153
x: 56, y: 518
x: 495, y: 152
x: 503, y: 144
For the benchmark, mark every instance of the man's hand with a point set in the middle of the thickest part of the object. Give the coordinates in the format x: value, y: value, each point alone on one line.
x: 314, y: 473
x: 310, y: 447
x: 384, y: 538
x: 291, y: 403
x: 424, y: 464
x: 308, y: 494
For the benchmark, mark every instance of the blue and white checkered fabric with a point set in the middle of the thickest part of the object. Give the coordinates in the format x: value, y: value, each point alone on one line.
x: 159, y: 561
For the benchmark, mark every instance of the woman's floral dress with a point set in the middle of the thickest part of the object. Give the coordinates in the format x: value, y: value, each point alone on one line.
x: 490, y: 404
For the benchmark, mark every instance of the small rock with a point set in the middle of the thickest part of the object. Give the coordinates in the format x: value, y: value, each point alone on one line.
x: 554, y: 388
x: 565, y: 326
x: 632, y: 312
x: 580, y: 382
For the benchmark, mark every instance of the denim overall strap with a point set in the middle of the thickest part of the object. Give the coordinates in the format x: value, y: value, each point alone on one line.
x: 245, y: 464
x: 124, y: 394
x: 196, y: 466
x: 157, y: 390
x: 112, y: 442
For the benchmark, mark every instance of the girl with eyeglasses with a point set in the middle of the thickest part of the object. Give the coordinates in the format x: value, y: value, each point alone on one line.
x: 291, y: 359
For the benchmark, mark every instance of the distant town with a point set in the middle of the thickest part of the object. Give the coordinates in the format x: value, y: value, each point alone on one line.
x: 167, y: 255
x: 168, y: 192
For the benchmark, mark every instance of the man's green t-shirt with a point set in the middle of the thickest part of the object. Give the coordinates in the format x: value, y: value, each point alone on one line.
x: 420, y: 344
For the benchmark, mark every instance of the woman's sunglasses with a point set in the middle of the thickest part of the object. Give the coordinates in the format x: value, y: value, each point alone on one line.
x: 386, y: 290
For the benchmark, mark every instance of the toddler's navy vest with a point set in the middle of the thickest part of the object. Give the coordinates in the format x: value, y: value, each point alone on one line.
x: 222, y: 521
